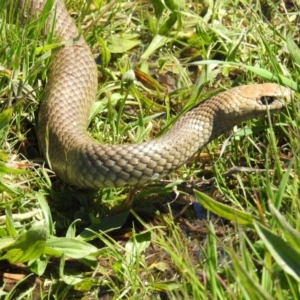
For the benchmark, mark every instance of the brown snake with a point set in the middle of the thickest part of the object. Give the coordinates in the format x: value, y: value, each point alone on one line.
x: 69, y: 96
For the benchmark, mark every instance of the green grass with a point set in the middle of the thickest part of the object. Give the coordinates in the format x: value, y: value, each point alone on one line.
x: 68, y: 242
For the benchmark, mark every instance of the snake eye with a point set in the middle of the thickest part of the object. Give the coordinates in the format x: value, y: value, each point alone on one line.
x: 267, y: 100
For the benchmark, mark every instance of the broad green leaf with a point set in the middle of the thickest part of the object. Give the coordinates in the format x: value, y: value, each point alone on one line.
x: 225, y: 211
x: 5, y: 117
x: 122, y: 43
x: 174, y: 5
x: 293, y: 49
x: 167, y: 26
x: 3, y: 154
x: 28, y: 246
x: 38, y: 266
x: 158, y: 8
x: 70, y: 280
x: 117, y: 268
x: 160, y: 265
x: 136, y: 245
x: 82, y: 282
x: 157, y: 42
x: 52, y: 252
x: 292, y: 235
x: 9, y: 221
x: 166, y: 286
x: 7, y: 170
x: 71, y: 232
x: 10, y: 190
x: 5, y: 242
x: 46, y: 213
x: 285, y: 255
x: 107, y: 224
x: 73, y: 248
x: 86, y: 284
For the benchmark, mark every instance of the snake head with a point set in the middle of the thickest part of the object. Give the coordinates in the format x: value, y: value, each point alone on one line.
x: 267, y: 96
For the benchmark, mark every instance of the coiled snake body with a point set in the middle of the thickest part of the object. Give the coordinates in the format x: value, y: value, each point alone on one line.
x: 68, y: 99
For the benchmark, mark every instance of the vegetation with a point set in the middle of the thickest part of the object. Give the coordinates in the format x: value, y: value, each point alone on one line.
x: 157, y: 59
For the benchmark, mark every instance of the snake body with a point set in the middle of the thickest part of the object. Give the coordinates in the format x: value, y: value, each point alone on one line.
x: 69, y: 96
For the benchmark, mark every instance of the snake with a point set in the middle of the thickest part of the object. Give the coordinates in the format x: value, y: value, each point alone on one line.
x: 70, y: 93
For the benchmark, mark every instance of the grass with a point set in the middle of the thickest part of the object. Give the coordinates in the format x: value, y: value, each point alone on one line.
x: 58, y: 242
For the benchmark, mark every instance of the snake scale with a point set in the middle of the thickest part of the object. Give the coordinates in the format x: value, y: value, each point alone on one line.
x: 68, y: 98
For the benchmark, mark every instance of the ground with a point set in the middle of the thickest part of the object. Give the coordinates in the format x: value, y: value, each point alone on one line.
x: 223, y: 226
